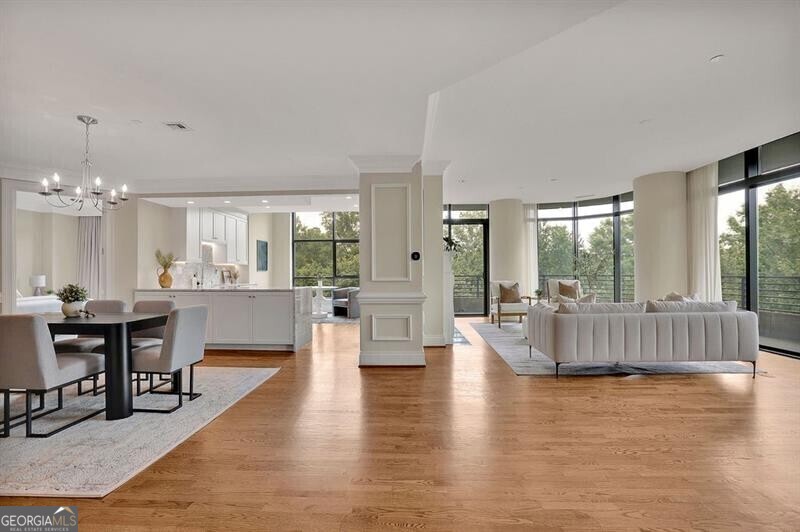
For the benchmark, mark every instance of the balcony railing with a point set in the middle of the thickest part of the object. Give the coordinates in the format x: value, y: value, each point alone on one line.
x: 602, y: 285
x: 775, y: 293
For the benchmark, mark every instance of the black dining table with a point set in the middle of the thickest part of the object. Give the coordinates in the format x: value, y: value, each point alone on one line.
x: 116, y: 328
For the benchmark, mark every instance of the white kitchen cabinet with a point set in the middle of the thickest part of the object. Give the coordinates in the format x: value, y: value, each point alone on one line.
x: 271, y: 323
x: 230, y: 239
x: 219, y: 226
x: 232, y: 323
x: 248, y: 319
x: 241, y: 241
x: 206, y: 224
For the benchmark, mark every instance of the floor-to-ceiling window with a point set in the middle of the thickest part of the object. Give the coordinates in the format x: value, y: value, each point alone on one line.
x: 325, y: 248
x: 589, y: 240
x: 469, y: 226
x: 759, y: 234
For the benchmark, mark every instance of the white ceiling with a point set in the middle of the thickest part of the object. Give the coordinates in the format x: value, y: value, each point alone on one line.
x: 626, y: 93
x: 266, y: 203
x: 279, y: 94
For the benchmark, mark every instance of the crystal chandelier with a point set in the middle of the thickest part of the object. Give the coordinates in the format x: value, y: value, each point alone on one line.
x: 86, y: 192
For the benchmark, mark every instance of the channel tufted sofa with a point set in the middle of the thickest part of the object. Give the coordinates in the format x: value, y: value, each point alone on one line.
x: 631, y: 335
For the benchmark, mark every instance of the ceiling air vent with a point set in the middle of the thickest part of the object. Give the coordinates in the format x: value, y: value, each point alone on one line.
x: 177, y: 126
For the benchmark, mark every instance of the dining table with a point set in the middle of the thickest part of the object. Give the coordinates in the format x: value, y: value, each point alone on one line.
x: 116, y: 329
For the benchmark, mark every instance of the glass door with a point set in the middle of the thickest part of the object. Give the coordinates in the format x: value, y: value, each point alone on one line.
x: 469, y: 226
x: 779, y: 265
x: 469, y: 269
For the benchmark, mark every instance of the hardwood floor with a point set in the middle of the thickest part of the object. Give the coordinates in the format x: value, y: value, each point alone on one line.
x: 464, y: 444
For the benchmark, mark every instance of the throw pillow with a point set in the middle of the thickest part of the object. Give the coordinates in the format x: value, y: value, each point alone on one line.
x: 510, y: 294
x: 601, y: 308
x: 569, y: 289
x: 675, y: 296
x: 691, y: 306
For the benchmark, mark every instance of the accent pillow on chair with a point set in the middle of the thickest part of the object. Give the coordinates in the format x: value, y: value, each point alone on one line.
x: 569, y: 289
x: 510, y: 293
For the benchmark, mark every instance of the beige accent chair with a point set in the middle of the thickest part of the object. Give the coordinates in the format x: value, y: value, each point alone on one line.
x: 154, y: 336
x: 184, y: 345
x: 30, y: 365
x: 499, y: 310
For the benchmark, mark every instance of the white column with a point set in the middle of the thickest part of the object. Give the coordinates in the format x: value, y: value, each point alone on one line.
x: 507, y: 242
x: 391, y: 296
x: 433, y: 254
x: 659, y: 234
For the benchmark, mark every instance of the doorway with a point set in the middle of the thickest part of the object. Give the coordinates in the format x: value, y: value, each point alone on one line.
x: 469, y: 226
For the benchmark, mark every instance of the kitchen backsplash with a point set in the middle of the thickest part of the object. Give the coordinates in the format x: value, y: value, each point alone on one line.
x: 209, y: 274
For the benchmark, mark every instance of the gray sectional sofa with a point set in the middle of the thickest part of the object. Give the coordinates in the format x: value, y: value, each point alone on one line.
x: 633, y: 332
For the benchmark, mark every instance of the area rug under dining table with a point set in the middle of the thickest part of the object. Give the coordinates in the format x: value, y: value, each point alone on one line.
x: 512, y: 347
x: 95, y: 457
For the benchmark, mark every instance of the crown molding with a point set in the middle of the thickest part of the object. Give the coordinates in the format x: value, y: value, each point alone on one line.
x: 384, y: 164
x: 434, y: 168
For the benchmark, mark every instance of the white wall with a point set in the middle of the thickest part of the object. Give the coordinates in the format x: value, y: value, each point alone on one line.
x: 659, y: 234
x: 507, y: 242
x: 433, y: 261
x: 260, y: 228
x: 280, y: 251
x: 123, y: 256
x: 46, y: 244
x: 276, y: 229
x: 159, y: 227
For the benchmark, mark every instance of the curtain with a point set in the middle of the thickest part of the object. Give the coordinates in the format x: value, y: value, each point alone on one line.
x: 531, y: 280
x: 702, y: 239
x: 90, y: 254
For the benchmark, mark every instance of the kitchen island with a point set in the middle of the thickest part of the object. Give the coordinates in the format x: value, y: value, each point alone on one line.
x: 246, y: 317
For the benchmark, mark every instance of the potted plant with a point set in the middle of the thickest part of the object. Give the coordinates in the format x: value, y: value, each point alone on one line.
x: 73, y: 298
x: 166, y: 262
x: 539, y: 293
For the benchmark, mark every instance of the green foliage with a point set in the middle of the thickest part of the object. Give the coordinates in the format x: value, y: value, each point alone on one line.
x: 72, y: 293
x: 315, y: 259
x: 555, y: 249
x: 469, y: 259
x: 451, y: 244
x: 778, y: 236
x: 165, y: 261
x: 595, y: 261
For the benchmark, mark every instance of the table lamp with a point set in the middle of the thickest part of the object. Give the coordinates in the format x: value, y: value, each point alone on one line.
x: 38, y: 282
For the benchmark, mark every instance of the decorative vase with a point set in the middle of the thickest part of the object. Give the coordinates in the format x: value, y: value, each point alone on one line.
x: 165, y: 279
x: 72, y: 310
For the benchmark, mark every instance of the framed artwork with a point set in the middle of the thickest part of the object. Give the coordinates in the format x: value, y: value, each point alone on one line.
x: 262, y: 255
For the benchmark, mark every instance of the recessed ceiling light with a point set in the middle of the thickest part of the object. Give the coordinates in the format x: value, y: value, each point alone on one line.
x: 190, y: 202
x: 717, y: 58
x: 348, y: 197
x: 226, y: 201
x: 267, y: 207
x: 264, y: 201
x: 356, y: 205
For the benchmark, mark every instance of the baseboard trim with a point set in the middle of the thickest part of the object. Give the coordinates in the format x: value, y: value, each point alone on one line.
x: 429, y: 340
x: 391, y: 359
